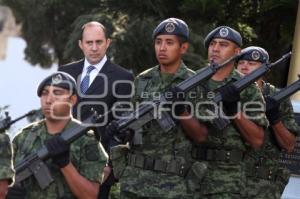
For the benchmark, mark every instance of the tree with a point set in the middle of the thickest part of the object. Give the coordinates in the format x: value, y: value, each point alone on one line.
x: 46, y: 26
x: 52, y: 30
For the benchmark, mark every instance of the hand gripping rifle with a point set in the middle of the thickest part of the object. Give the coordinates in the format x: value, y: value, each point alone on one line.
x: 147, y: 112
x: 245, y: 81
x: 33, y: 164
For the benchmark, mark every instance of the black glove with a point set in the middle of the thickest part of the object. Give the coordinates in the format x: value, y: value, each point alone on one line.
x: 272, y: 110
x: 230, y: 98
x: 175, y: 94
x: 59, y: 151
x: 115, y: 137
x: 16, y: 192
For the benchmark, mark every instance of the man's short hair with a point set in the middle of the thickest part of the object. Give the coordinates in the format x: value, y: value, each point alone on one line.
x: 94, y: 23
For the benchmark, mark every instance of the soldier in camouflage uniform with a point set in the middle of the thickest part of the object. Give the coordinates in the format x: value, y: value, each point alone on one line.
x: 157, y: 165
x: 76, y: 168
x: 266, y: 178
x: 223, y: 150
x: 6, y: 171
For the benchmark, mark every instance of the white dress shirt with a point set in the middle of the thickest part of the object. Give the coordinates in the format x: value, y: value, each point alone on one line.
x: 93, y: 73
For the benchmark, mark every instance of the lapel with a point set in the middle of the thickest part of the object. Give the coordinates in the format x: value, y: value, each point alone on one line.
x: 77, y: 72
x: 101, y: 80
x: 78, y: 69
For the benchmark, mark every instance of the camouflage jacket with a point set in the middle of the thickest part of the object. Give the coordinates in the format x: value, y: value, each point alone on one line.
x: 87, y: 156
x: 6, y: 170
x: 157, y: 144
x: 229, y: 177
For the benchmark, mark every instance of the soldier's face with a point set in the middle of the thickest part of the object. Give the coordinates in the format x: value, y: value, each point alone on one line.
x: 168, y: 49
x: 220, y: 50
x: 94, y: 44
x: 246, y: 66
x: 56, y: 102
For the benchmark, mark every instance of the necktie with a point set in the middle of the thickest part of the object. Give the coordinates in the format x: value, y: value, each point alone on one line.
x: 84, y: 85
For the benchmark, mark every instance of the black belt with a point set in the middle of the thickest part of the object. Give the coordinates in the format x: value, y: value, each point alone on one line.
x: 210, y: 154
x: 149, y: 163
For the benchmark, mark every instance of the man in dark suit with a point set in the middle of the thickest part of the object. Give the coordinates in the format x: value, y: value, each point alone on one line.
x: 100, y: 84
x: 108, y: 83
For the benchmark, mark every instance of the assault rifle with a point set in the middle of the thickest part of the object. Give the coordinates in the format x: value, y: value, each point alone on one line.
x: 287, y: 91
x: 244, y: 82
x: 33, y: 164
x: 6, y: 122
x: 148, y: 111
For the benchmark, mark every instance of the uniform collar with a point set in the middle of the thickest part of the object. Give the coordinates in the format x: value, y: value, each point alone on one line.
x: 181, y: 73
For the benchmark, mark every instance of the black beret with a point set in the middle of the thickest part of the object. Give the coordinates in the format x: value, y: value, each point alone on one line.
x: 172, y: 26
x: 254, y: 53
x: 224, y: 32
x: 59, y: 79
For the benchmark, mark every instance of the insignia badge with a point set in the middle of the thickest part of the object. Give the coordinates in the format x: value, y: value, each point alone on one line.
x: 56, y: 79
x: 255, y: 55
x: 224, y: 32
x: 170, y: 27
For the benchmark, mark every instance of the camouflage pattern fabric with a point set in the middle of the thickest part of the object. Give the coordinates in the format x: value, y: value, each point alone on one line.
x: 268, y: 156
x: 227, y: 179
x: 6, y: 170
x: 87, y: 155
x: 166, y: 146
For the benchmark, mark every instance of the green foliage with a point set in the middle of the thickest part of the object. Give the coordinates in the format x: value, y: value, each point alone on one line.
x: 46, y: 26
x: 52, y: 28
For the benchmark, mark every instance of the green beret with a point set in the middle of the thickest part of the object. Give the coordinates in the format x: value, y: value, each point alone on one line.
x: 254, y: 53
x: 172, y: 26
x: 58, y: 79
x: 224, y: 32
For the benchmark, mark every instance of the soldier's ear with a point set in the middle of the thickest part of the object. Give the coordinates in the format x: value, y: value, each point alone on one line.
x: 237, y: 50
x: 184, y: 47
x: 73, y: 99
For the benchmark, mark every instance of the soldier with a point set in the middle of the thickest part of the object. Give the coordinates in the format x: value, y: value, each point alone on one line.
x: 6, y: 171
x: 223, y: 150
x: 266, y: 178
x: 77, y: 167
x: 159, y: 162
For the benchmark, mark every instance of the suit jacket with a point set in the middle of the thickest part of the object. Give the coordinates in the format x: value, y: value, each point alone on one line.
x: 96, y: 92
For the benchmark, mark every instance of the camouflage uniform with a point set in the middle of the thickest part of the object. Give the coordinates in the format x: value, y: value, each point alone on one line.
x: 86, y: 154
x: 168, y: 153
x: 224, y: 150
x: 6, y: 171
x: 266, y: 178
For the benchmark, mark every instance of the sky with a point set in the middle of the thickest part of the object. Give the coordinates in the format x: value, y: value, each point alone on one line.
x: 19, y: 81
